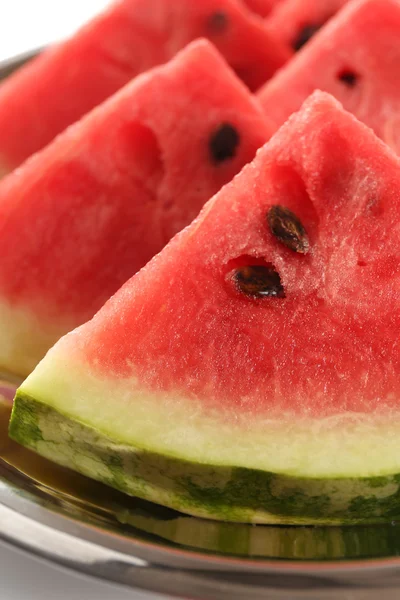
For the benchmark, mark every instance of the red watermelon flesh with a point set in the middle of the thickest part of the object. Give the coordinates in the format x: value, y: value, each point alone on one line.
x: 294, y: 22
x: 251, y: 370
x: 356, y: 59
x: 60, y: 86
x: 79, y: 218
x: 262, y: 7
x: 351, y: 222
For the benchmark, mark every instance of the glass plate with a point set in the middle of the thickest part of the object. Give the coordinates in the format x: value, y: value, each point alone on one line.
x: 61, y: 516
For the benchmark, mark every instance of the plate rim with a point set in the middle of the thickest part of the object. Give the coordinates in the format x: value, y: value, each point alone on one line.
x: 88, y: 550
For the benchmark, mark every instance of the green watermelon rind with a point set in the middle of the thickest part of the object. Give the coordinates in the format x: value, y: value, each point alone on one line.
x: 223, y: 493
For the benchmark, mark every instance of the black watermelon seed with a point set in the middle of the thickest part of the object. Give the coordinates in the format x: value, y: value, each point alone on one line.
x: 348, y: 77
x: 304, y: 35
x: 217, y: 22
x: 259, y: 281
x: 223, y: 143
x: 288, y: 229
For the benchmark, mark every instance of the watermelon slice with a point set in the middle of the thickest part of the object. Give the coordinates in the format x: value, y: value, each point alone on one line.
x: 67, y: 81
x: 295, y: 22
x: 356, y: 59
x: 250, y: 371
x: 82, y: 216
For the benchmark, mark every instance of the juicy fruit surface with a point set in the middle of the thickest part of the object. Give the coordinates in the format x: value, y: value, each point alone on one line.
x: 85, y: 214
x: 252, y: 52
x: 130, y: 38
x: 262, y: 7
x: 356, y: 59
x: 298, y: 20
x: 269, y: 355
x: 258, y: 407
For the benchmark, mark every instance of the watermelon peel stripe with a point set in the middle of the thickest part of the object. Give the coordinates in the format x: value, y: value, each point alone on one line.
x: 249, y: 495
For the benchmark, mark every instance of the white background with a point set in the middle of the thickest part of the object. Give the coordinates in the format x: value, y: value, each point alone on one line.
x: 26, y: 24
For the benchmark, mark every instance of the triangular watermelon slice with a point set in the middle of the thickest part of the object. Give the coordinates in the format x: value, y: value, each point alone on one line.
x: 82, y: 216
x: 132, y: 36
x: 295, y: 22
x: 249, y: 372
x: 356, y: 58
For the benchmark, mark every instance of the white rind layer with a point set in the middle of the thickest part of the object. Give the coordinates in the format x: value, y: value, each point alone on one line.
x: 349, y: 445
x: 23, y: 339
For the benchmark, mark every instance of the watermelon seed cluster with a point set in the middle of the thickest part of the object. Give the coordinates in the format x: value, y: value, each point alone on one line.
x: 224, y: 142
x: 259, y: 281
x: 288, y: 229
